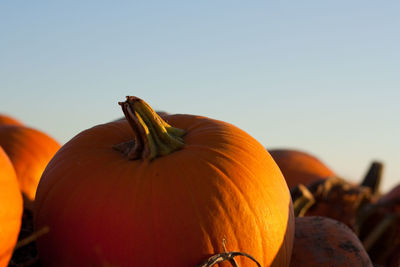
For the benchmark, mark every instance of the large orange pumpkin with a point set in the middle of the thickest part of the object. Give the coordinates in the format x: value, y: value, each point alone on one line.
x: 299, y: 167
x: 162, y: 195
x: 29, y: 150
x: 10, y: 208
x: 8, y: 120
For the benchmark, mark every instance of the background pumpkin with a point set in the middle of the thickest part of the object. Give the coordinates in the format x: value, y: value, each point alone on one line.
x: 173, y: 210
x: 321, y: 241
x: 392, y: 195
x: 29, y: 151
x: 8, y: 120
x: 10, y: 208
x: 299, y: 167
x: 379, y: 230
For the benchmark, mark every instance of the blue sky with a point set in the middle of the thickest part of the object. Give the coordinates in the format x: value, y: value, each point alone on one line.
x: 312, y: 75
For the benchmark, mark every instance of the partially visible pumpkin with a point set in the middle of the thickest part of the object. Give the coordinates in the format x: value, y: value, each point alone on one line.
x: 392, y: 196
x: 8, y: 120
x: 149, y: 192
x: 299, y: 167
x: 379, y: 229
x: 320, y: 241
x: 29, y: 151
x: 10, y: 208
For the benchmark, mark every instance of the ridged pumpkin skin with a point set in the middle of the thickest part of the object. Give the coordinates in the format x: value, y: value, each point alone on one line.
x: 29, y: 151
x: 7, y: 120
x: 10, y: 208
x: 175, y: 210
x: 321, y: 241
x: 299, y: 167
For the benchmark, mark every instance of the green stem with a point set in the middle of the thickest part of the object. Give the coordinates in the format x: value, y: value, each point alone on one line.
x: 153, y: 137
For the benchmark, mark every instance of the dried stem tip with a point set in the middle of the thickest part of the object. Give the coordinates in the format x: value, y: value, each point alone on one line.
x: 153, y: 136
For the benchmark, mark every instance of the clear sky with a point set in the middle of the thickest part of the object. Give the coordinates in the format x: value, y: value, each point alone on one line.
x: 320, y: 76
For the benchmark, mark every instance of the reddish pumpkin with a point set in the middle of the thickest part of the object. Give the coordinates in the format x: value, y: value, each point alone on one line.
x: 392, y: 196
x: 299, y: 167
x: 320, y: 241
x: 169, y: 198
x: 29, y: 151
x: 10, y: 208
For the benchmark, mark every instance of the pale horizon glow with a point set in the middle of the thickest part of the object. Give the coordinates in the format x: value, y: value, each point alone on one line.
x: 318, y: 77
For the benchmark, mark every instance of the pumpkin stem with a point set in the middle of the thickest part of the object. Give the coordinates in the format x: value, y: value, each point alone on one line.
x: 302, y: 200
x: 379, y: 230
x: 373, y: 177
x: 226, y: 256
x: 33, y: 237
x: 153, y: 136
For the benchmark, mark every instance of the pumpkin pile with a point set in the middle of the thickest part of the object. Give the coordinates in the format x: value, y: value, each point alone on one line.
x: 24, y: 154
x: 156, y: 189
x: 29, y: 151
x: 374, y: 218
